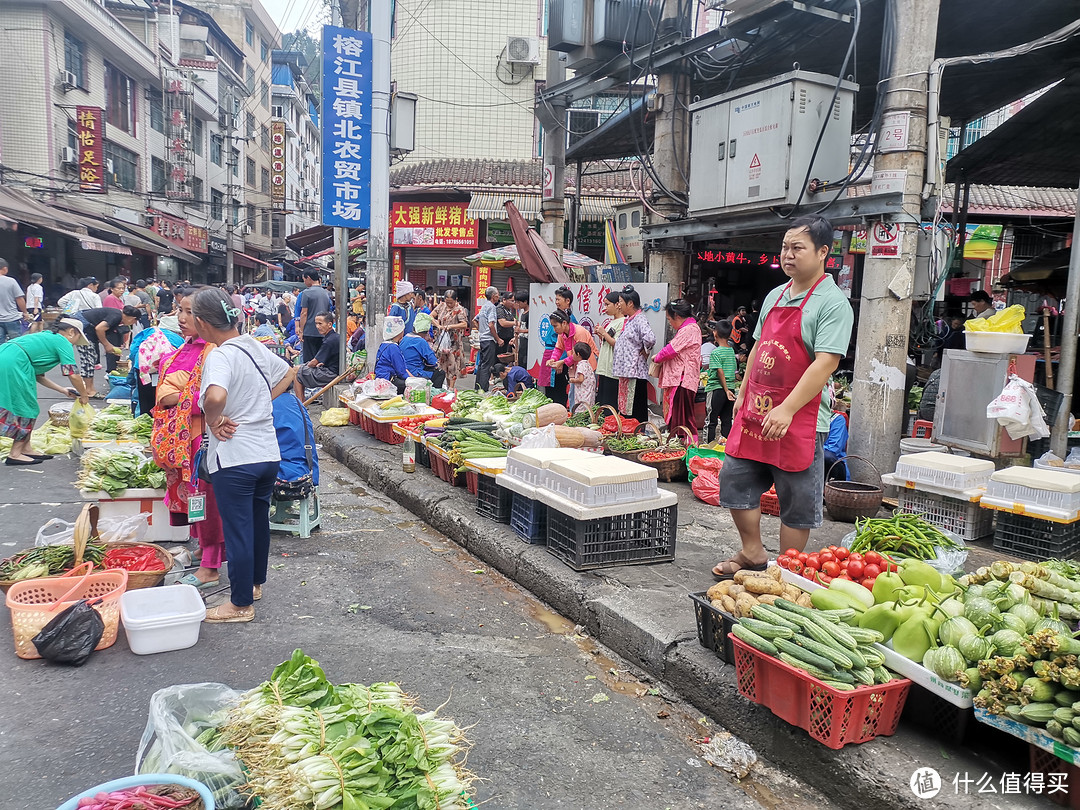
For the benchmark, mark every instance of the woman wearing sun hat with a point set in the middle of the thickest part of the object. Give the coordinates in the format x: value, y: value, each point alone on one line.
x: 403, y: 307
x: 390, y: 362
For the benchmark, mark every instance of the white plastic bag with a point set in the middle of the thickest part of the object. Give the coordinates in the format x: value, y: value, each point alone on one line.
x: 179, y: 716
x: 127, y: 529
x: 539, y: 437
x: 1017, y: 409
x: 446, y: 343
x: 377, y: 388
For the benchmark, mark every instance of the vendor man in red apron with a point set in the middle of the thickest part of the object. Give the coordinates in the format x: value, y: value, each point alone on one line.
x: 782, y: 410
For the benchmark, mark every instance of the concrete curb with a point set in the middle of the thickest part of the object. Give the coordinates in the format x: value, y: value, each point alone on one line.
x: 656, y: 632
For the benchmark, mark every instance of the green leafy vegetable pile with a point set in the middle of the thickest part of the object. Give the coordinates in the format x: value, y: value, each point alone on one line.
x: 113, y: 471
x: 306, y: 743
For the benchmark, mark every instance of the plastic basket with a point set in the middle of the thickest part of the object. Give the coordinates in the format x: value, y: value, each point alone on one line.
x: 528, y: 519
x: 147, y: 779
x: 965, y: 519
x: 948, y: 723
x: 384, y: 432
x: 946, y: 479
x: 444, y: 470
x: 493, y: 501
x: 1046, y: 763
x: 631, y: 538
x: 714, y: 627
x: 770, y: 504
x: 471, y: 481
x: 831, y: 717
x: 36, y: 602
x: 1035, y: 539
x: 423, y: 458
x: 1032, y: 498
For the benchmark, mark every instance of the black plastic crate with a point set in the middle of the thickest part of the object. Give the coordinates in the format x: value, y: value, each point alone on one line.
x: 713, y: 627
x: 632, y: 538
x: 1045, y: 763
x: 1034, y: 538
x: 948, y: 722
x: 423, y: 457
x: 528, y: 519
x: 492, y: 501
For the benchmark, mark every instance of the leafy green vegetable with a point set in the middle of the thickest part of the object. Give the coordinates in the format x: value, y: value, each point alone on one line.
x: 113, y: 471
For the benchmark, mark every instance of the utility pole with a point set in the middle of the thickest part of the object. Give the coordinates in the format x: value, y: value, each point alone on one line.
x: 878, y: 408
x: 378, y: 248
x: 553, y: 119
x: 671, y: 150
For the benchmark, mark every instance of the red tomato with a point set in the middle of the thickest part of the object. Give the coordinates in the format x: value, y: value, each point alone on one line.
x: 855, y: 568
x: 845, y: 575
x: 830, y: 567
x: 796, y: 566
x: 813, y: 561
x: 855, y: 557
x: 826, y: 556
x: 802, y: 557
x: 872, y: 558
x: 783, y: 561
x: 832, y: 549
x: 824, y: 579
x: 890, y: 566
x: 792, y: 552
x: 841, y: 553
x: 868, y: 582
x: 870, y: 570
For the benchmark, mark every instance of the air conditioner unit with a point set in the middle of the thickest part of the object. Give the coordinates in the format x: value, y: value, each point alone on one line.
x: 69, y: 156
x: 523, y: 50
x: 68, y: 80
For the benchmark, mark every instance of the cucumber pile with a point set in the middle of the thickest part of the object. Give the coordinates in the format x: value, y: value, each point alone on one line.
x: 816, y: 642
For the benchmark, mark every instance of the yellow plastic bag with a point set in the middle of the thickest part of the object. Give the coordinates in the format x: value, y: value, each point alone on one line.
x: 1009, y: 321
x: 334, y: 417
x: 81, y: 417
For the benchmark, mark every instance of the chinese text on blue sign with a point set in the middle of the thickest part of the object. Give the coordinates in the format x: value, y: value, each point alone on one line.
x: 346, y: 127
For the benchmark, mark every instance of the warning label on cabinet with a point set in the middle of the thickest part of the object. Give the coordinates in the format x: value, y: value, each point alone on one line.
x: 884, y: 241
x: 755, y: 168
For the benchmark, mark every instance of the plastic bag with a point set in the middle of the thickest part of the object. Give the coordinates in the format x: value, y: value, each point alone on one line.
x: 182, y: 719
x: 125, y: 529
x: 1049, y: 459
x: 51, y: 439
x: 1018, y: 410
x: 539, y: 437
x: 377, y: 388
x: 446, y: 343
x: 334, y: 417
x: 80, y: 419
x: 1009, y: 321
x: 706, y: 484
x: 70, y: 638
x: 1072, y: 462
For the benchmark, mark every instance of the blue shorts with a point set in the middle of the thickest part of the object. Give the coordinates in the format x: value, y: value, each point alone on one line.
x: 743, y: 482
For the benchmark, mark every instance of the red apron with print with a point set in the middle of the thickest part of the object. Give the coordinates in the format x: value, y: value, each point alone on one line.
x: 779, y: 364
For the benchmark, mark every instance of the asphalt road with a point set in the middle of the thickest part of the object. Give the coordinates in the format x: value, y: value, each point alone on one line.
x: 557, y: 721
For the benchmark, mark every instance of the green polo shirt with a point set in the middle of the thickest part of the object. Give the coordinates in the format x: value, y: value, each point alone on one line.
x: 826, y: 327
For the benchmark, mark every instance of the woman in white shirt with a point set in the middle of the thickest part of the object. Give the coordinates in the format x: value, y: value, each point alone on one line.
x: 240, y: 379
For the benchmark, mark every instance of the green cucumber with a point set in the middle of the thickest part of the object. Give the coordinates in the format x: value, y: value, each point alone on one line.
x: 873, y: 656
x: 864, y: 676
x: 838, y: 658
x: 865, y: 635
x: 748, y: 636
x: 767, y: 613
x: 840, y: 634
x: 839, y: 686
x: 766, y: 630
x: 882, y: 675
x: 819, y: 662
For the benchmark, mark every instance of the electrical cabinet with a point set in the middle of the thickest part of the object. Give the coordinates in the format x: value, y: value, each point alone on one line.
x: 751, y: 148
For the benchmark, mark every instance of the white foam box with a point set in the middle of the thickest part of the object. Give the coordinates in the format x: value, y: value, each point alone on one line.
x: 973, y: 495
x: 602, y: 480
x: 136, y: 501
x: 1047, y: 494
x: 944, y: 470
x: 531, y: 465
x: 556, y: 502
x: 162, y: 619
x: 517, y: 486
x: 486, y: 466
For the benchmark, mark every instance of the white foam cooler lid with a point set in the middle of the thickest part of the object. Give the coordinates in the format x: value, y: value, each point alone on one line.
x: 599, y: 470
x: 946, y: 462
x: 542, y: 457
x: 1049, y: 480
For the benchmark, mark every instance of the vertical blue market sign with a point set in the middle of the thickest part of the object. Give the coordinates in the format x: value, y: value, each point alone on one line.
x: 346, y: 127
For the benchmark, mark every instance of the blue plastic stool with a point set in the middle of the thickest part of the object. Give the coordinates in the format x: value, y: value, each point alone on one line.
x: 309, y: 518
x: 143, y: 779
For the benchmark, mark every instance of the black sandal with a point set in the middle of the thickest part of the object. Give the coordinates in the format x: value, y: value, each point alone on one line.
x: 742, y: 567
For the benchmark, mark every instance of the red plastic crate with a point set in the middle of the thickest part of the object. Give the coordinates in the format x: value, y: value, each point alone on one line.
x: 770, y: 504
x: 367, y: 423
x: 472, y: 481
x: 444, y: 470
x: 354, y: 417
x: 831, y: 717
x: 384, y: 432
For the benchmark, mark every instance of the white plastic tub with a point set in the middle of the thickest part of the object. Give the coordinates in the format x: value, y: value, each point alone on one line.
x: 162, y: 619
x: 996, y: 342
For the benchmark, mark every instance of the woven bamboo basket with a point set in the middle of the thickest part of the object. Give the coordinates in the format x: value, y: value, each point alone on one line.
x: 847, y: 501
x: 670, y: 469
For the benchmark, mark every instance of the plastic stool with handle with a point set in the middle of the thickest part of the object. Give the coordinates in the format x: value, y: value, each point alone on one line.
x: 922, y: 429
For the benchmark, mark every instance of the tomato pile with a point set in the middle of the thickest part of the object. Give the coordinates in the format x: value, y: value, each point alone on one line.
x: 134, y: 558
x: 661, y: 455
x: 410, y: 422
x: 837, y: 562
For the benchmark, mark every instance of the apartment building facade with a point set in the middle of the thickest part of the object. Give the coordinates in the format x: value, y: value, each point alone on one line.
x: 296, y: 174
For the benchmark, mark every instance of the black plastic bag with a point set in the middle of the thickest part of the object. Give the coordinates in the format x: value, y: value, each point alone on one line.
x: 71, y: 637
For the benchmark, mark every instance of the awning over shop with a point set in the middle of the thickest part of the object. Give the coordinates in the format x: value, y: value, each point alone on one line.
x: 24, y: 208
x: 99, y: 245
x: 598, y: 209
x: 154, y: 243
x: 114, y: 234
x: 250, y: 262
x: 489, y: 205
x: 355, y: 243
x: 317, y: 238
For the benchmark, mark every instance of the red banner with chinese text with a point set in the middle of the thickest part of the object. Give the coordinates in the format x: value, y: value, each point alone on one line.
x: 397, y: 270
x: 277, y: 165
x: 432, y: 225
x: 481, y: 281
x: 90, y: 135
x: 179, y: 232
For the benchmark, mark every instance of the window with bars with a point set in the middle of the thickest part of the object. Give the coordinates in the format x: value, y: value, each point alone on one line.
x: 250, y: 174
x: 265, y: 181
x: 157, y: 175
x: 249, y: 34
x: 197, y: 189
x: 198, y: 136
x: 265, y: 139
x: 251, y: 125
x: 217, y: 144
x: 251, y: 218
x: 75, y: 58
x: 157, y: 111
x: 125, y: 166
x: 277, y: 226
x: 265, y: 223
x: 235, y: 212
x: 264, y: 95
x: 217, y: 204
x: 234, y: 161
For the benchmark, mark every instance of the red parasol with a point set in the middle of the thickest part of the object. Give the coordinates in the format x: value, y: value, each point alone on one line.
x: 539, y: 260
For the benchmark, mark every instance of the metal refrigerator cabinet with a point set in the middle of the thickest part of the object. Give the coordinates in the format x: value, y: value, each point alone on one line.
x: 969, y: 382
